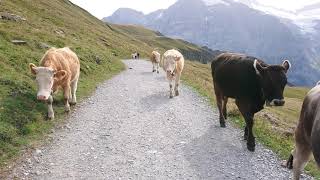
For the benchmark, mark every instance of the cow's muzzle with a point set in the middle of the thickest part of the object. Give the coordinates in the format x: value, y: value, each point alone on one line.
x: 276, y: 102
x: 170, y: 73
x: 42, y: 98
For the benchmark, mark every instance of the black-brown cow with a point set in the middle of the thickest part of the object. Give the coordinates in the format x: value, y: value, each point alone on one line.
x: 307, y: 133
x: 251, y: 83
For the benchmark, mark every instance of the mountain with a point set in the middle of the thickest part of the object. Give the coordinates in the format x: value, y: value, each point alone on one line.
x: 232, y: 26
x: 126, y: 16
x: 304, y: 17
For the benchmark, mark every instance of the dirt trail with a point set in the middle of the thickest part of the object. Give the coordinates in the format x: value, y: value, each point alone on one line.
x: 130, y: 129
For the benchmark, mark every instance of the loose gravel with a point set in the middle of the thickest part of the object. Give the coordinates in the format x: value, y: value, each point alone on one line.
x: 130, y: 129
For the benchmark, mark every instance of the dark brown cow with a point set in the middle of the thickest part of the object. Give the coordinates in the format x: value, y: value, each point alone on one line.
x: 307, y: 133
x: 251, y: 83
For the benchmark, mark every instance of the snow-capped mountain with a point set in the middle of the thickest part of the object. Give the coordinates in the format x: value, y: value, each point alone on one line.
x: 229, y: 25
x: 304, y: 16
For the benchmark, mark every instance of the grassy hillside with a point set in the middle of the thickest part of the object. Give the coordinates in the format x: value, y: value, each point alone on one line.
x: 162, y: 43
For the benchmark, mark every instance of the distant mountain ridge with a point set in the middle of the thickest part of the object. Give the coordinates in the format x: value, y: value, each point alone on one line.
x: 231, y: 26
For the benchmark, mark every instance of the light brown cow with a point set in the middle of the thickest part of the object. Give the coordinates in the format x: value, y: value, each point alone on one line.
x: 59, y: 68
x: 172, y: 63
x: 307, y: 133
x: 155, y: 59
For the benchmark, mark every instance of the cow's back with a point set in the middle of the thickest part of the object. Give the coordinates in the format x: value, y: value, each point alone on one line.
x: 62, y: 59
x: 236, y: 76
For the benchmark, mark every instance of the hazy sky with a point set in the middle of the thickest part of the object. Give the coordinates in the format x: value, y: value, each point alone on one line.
x: 103, y: 8
x: 288, y: 4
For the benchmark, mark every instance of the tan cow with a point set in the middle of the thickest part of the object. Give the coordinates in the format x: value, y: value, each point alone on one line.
x: 307, y: 133
x: 59, y: 68
x: 173, y: 63
x: 155, y: 59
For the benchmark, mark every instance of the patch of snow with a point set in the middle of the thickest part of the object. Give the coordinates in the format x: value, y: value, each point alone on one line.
x: 303, y: 19
x: 214, y: 2
x: 159, y: 16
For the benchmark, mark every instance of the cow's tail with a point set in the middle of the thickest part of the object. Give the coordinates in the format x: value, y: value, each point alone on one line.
x: 315, y: 140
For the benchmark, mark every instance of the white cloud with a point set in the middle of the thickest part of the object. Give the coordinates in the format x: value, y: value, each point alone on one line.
x: 290, y: 5
x: 103, y: 8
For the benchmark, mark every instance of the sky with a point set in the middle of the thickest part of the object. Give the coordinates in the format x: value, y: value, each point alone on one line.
x: 104, y: 8
x: 290, y: 5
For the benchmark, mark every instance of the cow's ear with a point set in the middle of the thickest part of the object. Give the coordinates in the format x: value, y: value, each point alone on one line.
x: 178, y: 58
x: 33, y: 68
x: 286, y: 64
x: 59, y: 75
x: 257, y: 66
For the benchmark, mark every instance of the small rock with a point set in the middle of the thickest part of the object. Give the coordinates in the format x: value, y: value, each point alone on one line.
x: 43, y: 45
x: 19, y: 42
x: 38, y: 151
x: 60, y: 32
x: 11, y: 17
x: 98, y: 60
x: 29, y: 161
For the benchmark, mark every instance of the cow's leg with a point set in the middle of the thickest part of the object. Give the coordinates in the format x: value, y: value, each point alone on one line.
x: 219, y: 99
x: 74, y: 86
x: 66, y: 94
x: 225, y: 101
x: 50, y: 109
x: 251, y: 139
x: 171, y: 88
x: 245, y: 136
x: 158, y: 68
x: 301, y: 156
x: 177, y: 83
x: 153, y: 67
x: 244, y: 108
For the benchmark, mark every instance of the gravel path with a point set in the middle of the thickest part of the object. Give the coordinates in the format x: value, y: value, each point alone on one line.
x: 130, y: 129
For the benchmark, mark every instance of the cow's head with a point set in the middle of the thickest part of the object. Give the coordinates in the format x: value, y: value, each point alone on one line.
x: 273, y: 80
x: 171, y: 65
x: 45, y: 78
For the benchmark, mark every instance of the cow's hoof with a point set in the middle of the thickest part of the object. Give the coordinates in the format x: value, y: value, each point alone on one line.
x: 289, y: 163
x: 251, y: 148
x: 177, y: 93
x: 67, y: 109
x: 171, y: 96
x: 223, y: 125
x: 72, y: 103
x: 158, y: 72
x: 50, y: 116
x: 153, y: 70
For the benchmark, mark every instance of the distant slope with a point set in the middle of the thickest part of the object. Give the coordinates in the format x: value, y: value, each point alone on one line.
x: 162, y: 43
